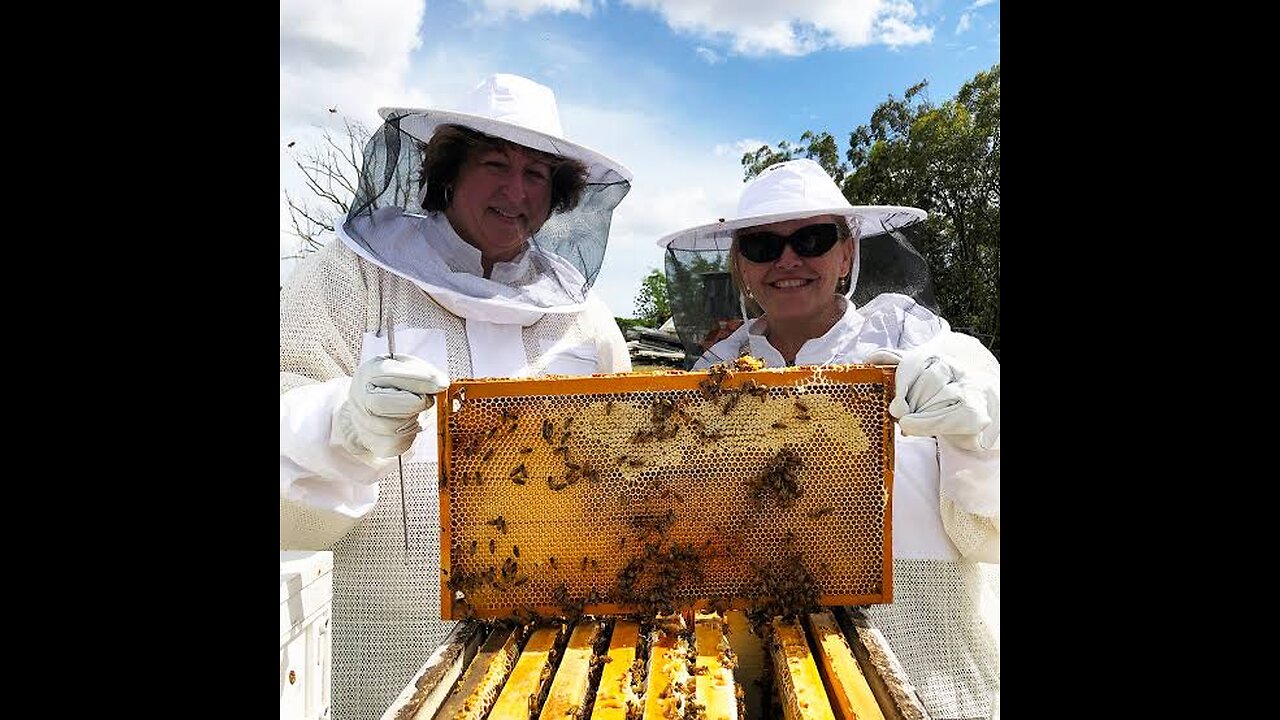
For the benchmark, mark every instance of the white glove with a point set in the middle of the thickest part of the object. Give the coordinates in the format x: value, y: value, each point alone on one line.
x: 934, y: 397
x: 380, y: 415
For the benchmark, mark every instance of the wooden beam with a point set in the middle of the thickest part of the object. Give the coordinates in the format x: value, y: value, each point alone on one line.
x: 523, y: 691
x: 716, y: 690
x: 615, y: 692
x: 568, y: 695
x: 847, y: 688
x: 796, y: 674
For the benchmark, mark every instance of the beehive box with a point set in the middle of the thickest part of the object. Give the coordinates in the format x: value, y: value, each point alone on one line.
x: 306, y: 594
x: 653, y: 493
x: 829, y: 664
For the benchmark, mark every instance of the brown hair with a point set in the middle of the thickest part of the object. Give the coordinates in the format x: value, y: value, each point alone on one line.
x: 843, y: 232
x: 451, y: 145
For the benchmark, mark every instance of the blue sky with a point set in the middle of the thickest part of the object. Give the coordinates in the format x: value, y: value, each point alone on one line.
x: 676, y: 90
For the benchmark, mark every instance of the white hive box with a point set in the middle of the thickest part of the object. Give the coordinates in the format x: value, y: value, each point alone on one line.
x: 306, y: 591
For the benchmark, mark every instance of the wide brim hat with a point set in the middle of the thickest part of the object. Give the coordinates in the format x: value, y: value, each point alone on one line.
x: 788, y: 191
x: 514, y: 108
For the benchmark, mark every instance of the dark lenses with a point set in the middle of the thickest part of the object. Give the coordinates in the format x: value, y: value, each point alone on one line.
x: 808, y: 241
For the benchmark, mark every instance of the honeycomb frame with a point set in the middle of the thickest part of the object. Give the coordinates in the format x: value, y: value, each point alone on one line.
x: 633, y: 493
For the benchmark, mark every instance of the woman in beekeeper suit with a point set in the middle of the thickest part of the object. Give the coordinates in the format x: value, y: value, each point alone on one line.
x: 793, y: 252
x: 469, y: 251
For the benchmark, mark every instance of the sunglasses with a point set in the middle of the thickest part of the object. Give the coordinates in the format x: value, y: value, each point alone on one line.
x: 809, y: 241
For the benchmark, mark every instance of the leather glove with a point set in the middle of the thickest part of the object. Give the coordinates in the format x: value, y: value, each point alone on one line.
x: 935, y: 397
x: 380, y: 415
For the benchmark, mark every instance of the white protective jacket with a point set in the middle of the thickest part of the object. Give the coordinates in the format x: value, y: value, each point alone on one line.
x: 943, y: 623
x: 333, y: 312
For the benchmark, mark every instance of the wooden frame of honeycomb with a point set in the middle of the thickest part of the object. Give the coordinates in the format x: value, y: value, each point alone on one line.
x: 656, y: 493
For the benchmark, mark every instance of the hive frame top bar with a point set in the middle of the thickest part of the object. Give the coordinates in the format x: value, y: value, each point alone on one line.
x: 636, y: 493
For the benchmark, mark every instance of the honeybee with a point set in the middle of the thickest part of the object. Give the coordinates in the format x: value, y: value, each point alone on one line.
x: 756, y: 389
x: 732, y: 402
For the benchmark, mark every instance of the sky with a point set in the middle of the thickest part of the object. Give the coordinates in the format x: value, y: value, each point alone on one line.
x: 675, y: 90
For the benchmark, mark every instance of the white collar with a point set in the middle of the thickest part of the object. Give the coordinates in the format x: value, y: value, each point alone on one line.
x: 427, y: 250
x: 462, y: 256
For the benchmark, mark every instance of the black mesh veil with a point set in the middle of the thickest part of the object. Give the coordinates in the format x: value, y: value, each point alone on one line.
x: 892, y: 262
x: 704, y: 298
x: 388, y: 189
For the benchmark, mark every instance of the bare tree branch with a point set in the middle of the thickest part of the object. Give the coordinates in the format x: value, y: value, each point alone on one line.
x: 331, y: 173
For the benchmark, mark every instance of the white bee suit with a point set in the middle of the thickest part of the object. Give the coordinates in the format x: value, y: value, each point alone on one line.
x: 333, y: 314
x: 943, y: 622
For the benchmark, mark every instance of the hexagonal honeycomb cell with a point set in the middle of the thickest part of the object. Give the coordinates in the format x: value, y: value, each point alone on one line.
x: 616, y: 494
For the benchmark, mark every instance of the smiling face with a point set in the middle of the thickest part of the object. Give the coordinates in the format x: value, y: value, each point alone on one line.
x: 793, y: 286
x: 500, y: 198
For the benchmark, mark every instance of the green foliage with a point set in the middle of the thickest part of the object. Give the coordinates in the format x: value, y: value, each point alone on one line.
x: 943, y: 159
x: 625, y: 324
x: 819, y: 147
x: 652, y: 306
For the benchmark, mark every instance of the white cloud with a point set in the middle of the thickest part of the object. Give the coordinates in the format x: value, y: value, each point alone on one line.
x: 709, y: 55
x: 343, y: 54
x: 737, y: 148
x: 762, y: 27
x: 350, y: 55
x: 678, y: 184
x: 490, y: 10
x: 966, y: 21
x: 980, y: 3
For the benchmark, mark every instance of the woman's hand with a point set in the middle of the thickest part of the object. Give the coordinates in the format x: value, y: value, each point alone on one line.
x: 380, y: 415
x: 942, y: 394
